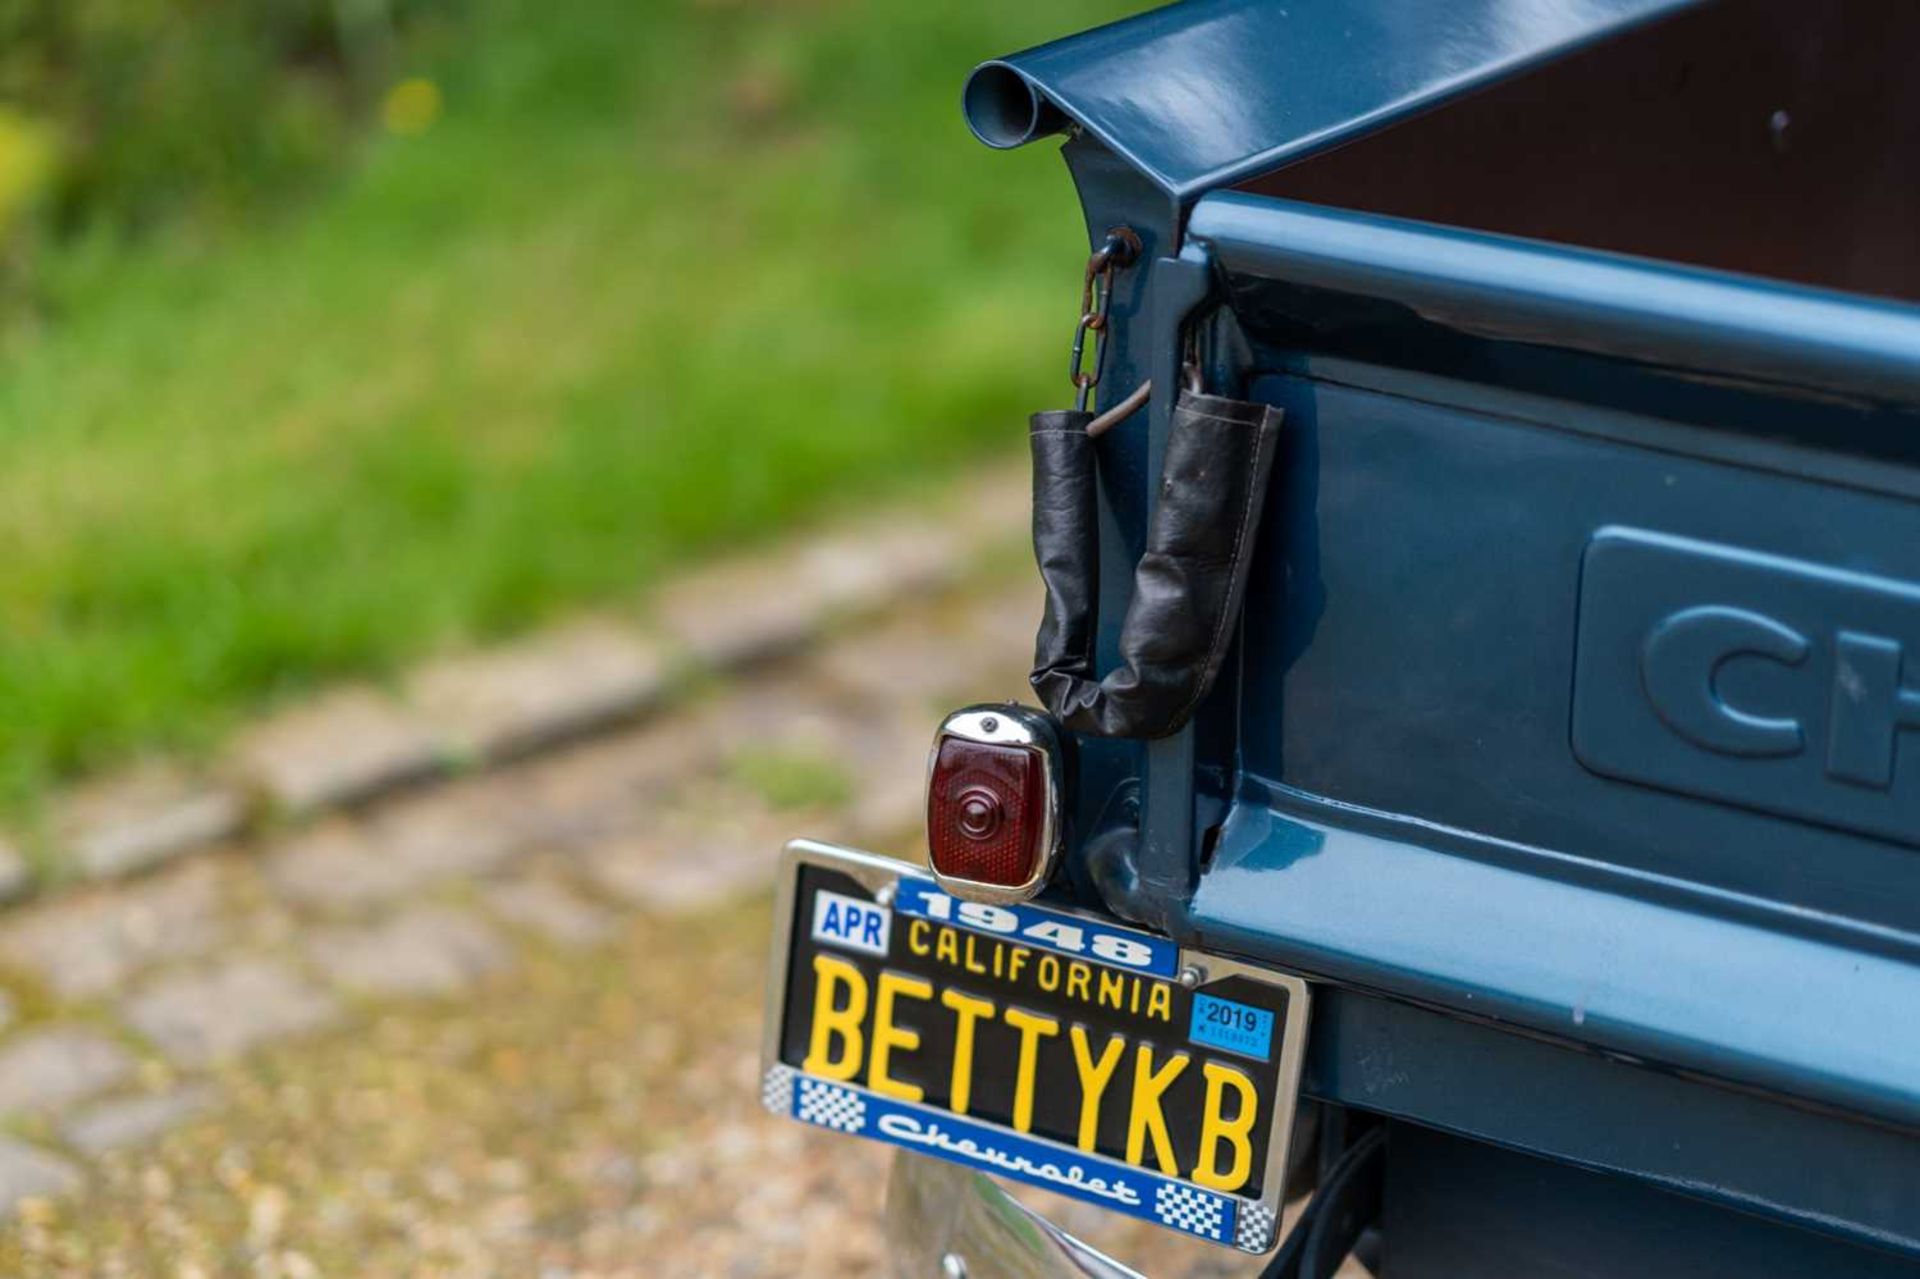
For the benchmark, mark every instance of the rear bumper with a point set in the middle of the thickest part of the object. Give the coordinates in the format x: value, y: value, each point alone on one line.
x: 944, y: 1222
x: 1397, y: 909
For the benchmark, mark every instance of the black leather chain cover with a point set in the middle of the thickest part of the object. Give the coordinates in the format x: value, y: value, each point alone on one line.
x: 1188, y: 586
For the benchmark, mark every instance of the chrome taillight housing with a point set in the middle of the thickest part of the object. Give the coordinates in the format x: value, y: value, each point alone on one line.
x: 994, y: 788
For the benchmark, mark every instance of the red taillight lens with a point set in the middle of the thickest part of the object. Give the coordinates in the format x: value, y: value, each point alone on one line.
x: 987, y: 812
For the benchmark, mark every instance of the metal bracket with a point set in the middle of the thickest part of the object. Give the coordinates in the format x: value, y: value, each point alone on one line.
x: 1163, y: 871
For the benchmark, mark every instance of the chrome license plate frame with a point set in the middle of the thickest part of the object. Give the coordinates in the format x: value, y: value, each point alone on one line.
x: 853, y: 917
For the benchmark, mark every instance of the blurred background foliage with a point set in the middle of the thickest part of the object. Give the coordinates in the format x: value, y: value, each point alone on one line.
x: 121, y: 114
x: 337, y: 330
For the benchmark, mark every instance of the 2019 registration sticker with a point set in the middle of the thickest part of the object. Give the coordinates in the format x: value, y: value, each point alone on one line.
x: 1045, y: 1045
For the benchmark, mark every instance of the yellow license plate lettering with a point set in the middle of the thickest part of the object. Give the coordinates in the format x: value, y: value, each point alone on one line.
x: 1032, y: 1027
x: 842, y: 1045
x: 888, y: 1035
x: 834, y: 1019
x: 1216, y: 1129
x: 967, y: 1011
x: 1145, y: 1119
x: 1094, y: 1078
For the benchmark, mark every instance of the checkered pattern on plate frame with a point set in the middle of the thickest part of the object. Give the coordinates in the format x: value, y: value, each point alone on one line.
x: 831, y: 1107
x: 1253, y: 1227
x: 1194, y: 1211
x: 776, y: 1089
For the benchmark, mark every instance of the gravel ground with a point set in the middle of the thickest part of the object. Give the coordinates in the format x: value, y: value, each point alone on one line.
x: 504, y: 1027
x: 582, y: 1115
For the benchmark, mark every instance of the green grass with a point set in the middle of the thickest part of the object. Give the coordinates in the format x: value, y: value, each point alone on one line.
x: 790, y: 779
x: 662, y: 278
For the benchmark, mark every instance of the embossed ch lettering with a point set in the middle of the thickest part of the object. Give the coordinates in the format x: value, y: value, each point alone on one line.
x: 1679, y: 667
x: 1778, y: 685
x: 1683, y: 655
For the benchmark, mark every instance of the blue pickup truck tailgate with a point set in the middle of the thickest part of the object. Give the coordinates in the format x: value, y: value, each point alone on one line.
x: 1579, y: 686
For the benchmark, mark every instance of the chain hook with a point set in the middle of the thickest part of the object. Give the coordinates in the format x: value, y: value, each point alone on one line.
x: 1120, y: 248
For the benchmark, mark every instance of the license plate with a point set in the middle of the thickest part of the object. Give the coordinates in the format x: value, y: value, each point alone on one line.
x: 1043, y: 1045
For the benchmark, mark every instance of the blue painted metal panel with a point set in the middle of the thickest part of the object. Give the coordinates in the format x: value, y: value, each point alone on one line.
x: 1735, y: 1147
x: 1416, y: 815
x: 1413, y: 640
x: 1660, y: 979
x: 1495, y: 287
x: 1205, y: 93
x: 1455, y: 1210
x: 1416, y: 818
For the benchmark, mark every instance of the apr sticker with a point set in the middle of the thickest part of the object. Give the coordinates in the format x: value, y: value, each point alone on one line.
x: 851, y: 924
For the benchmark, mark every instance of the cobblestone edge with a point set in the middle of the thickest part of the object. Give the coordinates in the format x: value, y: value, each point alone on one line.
x: 455, y: 714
